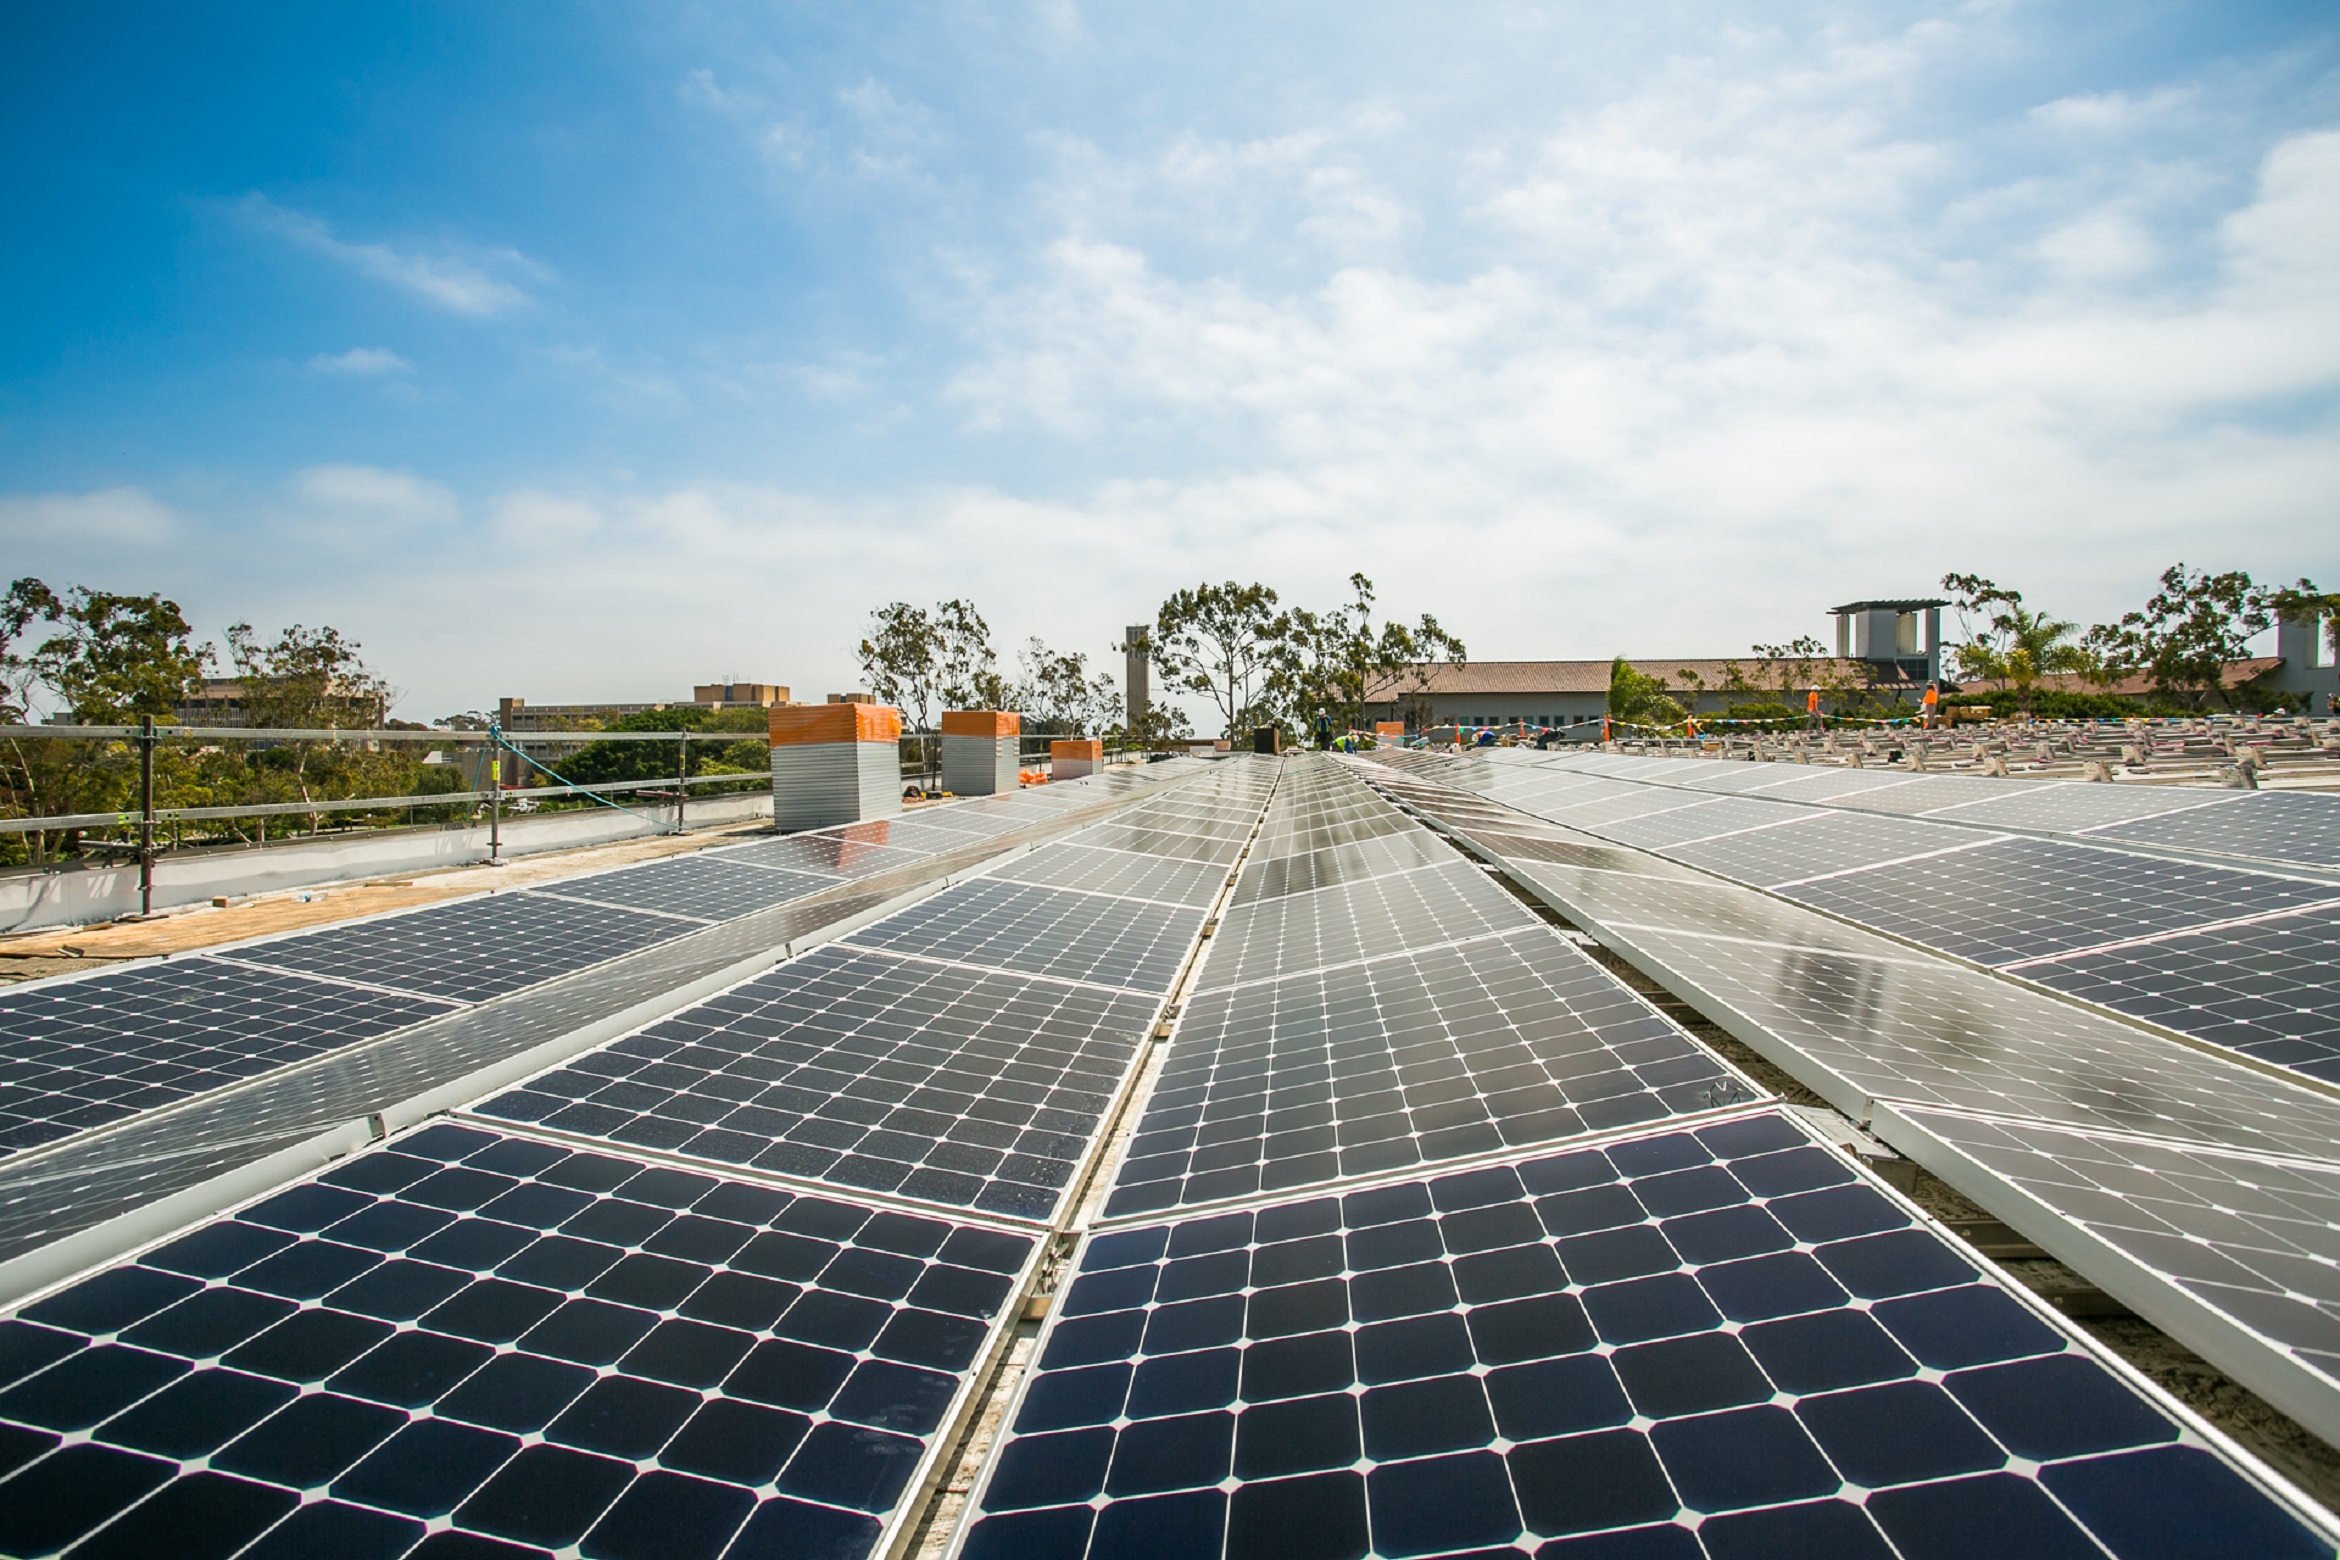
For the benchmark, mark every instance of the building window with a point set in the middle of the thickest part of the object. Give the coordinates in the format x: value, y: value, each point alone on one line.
x: 2320, y: 638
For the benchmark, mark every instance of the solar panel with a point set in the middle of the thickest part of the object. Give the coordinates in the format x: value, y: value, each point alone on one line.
x: 1700, y: 821
x: 922, y: 1080
x: 471, y: 950
x: 1362, y: 919
x: 1130, y: 943
x: 1301, y: 873
x: 2267, y: 825
x: 2068, y: 807
x: 926, y: 837
x: 819, y: 853
x: 1742, y: 778
x: 2249, y: 1239
x: 2024, y: 899
x: 1725, y: 1342
x: 1116, y: 835
x: 1927, y: 793
x: 2265, y: 988
x: 1122, y: 873
x: 78, y: 1054
x: 1831, y: 786
x: 1817, y: 844
x: 1410, y: 1060
x: 705, y: 888
x: 477, y: 1334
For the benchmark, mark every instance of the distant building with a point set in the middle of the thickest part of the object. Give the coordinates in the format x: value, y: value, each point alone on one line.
x: 515, y: 714
x: 220, y: 702
x: 1892, y: 649
x: 1573, y: 693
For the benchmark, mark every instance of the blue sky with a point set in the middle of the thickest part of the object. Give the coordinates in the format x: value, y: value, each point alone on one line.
x: 591, y: 351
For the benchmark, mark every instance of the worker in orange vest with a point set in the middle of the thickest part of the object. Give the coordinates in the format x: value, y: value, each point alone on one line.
x: 1812, y: 709
x: 1932, y: 704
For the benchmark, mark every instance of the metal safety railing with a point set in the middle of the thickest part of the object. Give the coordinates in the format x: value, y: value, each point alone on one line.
x: 149, y: 735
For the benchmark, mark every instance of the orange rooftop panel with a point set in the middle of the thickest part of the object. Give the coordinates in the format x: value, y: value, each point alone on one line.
x: 1090, y: 748
x: 799, y: 725
x: 982, y: 723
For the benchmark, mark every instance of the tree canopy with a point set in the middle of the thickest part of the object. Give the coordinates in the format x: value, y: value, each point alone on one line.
x: 2010, y: 643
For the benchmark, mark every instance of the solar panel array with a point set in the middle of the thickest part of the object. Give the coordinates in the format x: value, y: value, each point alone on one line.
x: 1718, y: 1342
x: 199, y: 1024
x: 2096, y: 914
x: 2195, y: 1164
x: 77, y: 1054
x: 963, y: 1052
x: 722, y: 1329
x: 481, y: 1334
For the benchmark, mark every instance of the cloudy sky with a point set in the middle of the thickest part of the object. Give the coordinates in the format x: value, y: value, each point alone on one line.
x: 591, y: 351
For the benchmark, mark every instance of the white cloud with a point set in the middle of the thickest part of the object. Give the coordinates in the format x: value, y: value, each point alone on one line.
x: 367, y: 500
x: 479, y: 284
x: 84, y: 526
x: 2110, y: 112
x: 361, y: 363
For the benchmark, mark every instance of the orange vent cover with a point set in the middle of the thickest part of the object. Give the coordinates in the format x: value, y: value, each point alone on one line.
x: 804, y: 724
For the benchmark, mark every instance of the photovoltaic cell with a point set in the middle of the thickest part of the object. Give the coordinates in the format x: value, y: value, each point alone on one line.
x: 1044, y: 931
x: 2026, y: 899
x: 1358, y: 920
x: 1590, y: 1353
x: 471, y: 951
x: 78, y: 1054
x: 706, y: 888
x: 1124, y: 873
x: 865, y: 1071
x: 1422, y: 1057
x: 495, y: 1335
x: 2269, y: 989
x: 2252, y: 1239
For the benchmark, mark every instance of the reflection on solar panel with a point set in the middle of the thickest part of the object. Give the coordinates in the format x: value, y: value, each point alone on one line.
x: 1426, y: 1056
x: 1124, y: 873
x: 706, y: 888
x: 1858, y: 1019
x: 1818, y: 843
x: 1117, y: 835
x: 2027, y: 899
x: 1299, y: 874
x: 924, y: 1080
x: 1131, y: 943
x: 819, y: 853
x: 2265, y: 988
x: 1362, y: 919
x: 501, y: 1337
x: 2268, y: 825
x: 2065, y: 807
x: 473, y: 950
x: 1725, y: 1342
x: 81, y: 1053
x: 2251, y: 1238
x: 1702, y: 820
